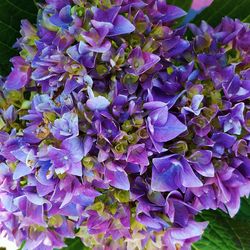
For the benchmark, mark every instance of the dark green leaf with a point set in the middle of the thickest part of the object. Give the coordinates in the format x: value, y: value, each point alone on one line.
x: 218, y: 9
x: 225, y: 233
x: 11, y: 14
x: 184, y: 4
x: 74, y: 244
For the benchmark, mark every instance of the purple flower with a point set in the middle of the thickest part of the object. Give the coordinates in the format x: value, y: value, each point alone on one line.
x: 137, y: 154
x: 230, y: 183
x: 9, y: 143
x: 237, y: 90
x: 173, y: 47
x: 240, y: 147
x: 66, y: 127
x: 27, y: 162
x: 9, y: 114
x: 80, y: 53
x: 141, y: 61
x: 178, y: 210
x: 201, y: 125
x: 183, y: 237
x: 68, y: 157
x: 160, y: 10
x: 95, y: 39
x: 158, y: 112
x: 172, y: 172
x: 201, y: 162
x: 118, y: 24
x: 228, y: 30
x: 20, y: 75
x: 233, y: 121
x: 58, y: 4
x: 170, y: 130
x: 96, y: 102
x: 63, y: 18
x: 117, y: 177
x: 195, y: 105
x: 124, y: 127
x: 222, y: 141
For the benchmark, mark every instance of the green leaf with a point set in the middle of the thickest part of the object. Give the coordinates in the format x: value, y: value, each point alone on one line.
x: 218, y: 9
x: 11, y: 14
x: 225, y: 233
x: 184, y: 4
x: 74, y: 244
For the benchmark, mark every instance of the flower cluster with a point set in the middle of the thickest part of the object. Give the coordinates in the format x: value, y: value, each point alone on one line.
x: 117, y: 129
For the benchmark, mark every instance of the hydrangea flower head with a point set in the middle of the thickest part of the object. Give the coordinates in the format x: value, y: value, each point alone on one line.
x: 117, y: 129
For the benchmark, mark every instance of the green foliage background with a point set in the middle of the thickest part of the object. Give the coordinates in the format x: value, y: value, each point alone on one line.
x: 223, y: 233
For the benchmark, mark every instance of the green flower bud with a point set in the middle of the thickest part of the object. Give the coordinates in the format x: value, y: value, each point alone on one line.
x: 130, y: 79
x: 141, y: 27
x: 136, y: 226
x: 194, y: 90
x: 143, y: 133
x: 12, y: 166
x: 3, y: 103
x: 61, y: 176
x: 122, y: 195
x: 120, y: 60
x: 208, y: 88
x: 165, y: 218
x: 14, y: 96
x: 170, y: 70
x: 101, y: 141
x: 25, y: 104
x: 24, y: 53
x: 138, y: 122
x: 157, y: 32
x: 121, y: 147
x: 216, y: 98
x: 106, y: 3
x: 78, y: 10
x: 23, y: 181
x: 179, y: 147
x: 98, y: 206
x: 88, y: 162
x: 31, y: 40
x: 50, y: 116
x: 127, y: 126
x: 2, y: 123
x: 101, y: 69
x: 208, y: 112
x: 37, y: 228
x: 151, y: 45
x: 134, y: 39
x: 113, y: 208
x: 132, y: 138
x: 55, y: 221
